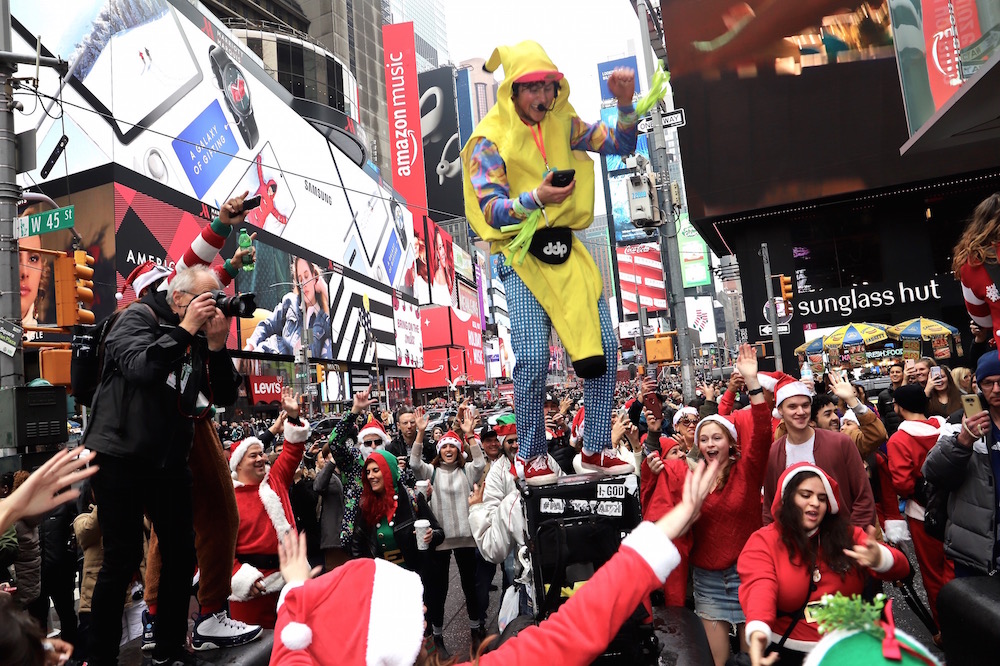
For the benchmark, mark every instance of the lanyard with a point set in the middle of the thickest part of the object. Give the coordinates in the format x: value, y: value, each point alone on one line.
x: 540, y: 143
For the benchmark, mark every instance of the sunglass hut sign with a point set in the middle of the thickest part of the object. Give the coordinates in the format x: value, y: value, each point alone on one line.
x: 861, y: 298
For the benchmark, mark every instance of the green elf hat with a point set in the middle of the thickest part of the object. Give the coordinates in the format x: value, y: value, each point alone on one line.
x: 851, y: 638
x: 505, y: 426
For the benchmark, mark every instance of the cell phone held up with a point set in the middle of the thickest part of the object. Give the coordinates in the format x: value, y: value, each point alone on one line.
x: 972, y: 404
x: 563, y: 177
x: 653, y: 405
x: 251, y: 202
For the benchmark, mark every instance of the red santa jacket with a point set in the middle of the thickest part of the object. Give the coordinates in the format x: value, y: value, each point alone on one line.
x: 773, y: 584
x: 265, y: 512
x: 908, y: 448
x: 839, y: 457
x: 982, y: 297
x: 385, y: 626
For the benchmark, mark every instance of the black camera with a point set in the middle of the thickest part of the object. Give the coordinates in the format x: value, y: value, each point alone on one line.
x: 240, y: 305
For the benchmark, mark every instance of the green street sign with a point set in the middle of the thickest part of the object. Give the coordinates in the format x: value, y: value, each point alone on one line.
x: 43, y: 223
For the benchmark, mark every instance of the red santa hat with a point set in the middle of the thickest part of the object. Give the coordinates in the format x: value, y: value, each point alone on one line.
x: 829, y: 484
x: 143, y: 276
x: 783, y: 386
x: 239, y: 451
x: 450, y: 437
x: 726, y: 424
x: 373, y: 427
x: 682, y: 412
x: 385, y: 627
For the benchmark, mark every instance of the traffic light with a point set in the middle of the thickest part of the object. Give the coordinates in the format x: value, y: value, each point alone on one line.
x: 785, y: 281
x: 660, y: 348
x: 74, y: 289
x: 320, y: 373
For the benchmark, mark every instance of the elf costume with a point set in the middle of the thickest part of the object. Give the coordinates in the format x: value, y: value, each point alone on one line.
x: 549, y: 277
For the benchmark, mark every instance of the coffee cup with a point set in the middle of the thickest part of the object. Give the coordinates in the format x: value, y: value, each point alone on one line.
x: 423, y: 487
x: 421, y: 528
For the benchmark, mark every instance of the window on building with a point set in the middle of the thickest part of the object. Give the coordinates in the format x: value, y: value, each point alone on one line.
x: 826, y: 260
x: 480, y: 101
x: 256, y: 44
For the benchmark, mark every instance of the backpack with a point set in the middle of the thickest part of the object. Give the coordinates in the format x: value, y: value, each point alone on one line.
x: 86, y: 366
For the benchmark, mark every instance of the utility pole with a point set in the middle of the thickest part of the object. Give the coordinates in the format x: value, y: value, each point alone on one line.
x: 11, y: 367
x: 771, y: 309
x: 670, y: 254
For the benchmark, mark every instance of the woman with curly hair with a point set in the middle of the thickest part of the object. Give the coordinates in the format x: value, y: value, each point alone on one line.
x: 810, y: 550
x: 974, y: 258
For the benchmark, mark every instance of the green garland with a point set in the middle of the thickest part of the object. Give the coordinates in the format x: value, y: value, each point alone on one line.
x: 849, y: 614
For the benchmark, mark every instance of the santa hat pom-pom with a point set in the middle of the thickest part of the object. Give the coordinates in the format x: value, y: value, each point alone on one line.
x: 296, y: 636
x: 118, y: 295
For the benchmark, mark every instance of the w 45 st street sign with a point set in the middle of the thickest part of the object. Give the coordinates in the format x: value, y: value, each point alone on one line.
x: 43, y: 223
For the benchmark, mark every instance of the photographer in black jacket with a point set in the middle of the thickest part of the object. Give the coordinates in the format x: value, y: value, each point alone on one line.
x: 165, y: 364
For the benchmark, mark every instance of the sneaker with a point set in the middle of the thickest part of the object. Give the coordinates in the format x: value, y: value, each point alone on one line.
x: 183, y: 658
x: 607, y: 461
x: 538, y: 472
x: 477, y: 636
x: 218, y: 630
x: 148, y: 624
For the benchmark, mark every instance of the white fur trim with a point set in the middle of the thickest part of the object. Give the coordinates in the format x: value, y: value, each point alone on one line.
x: 831, y: 498
x: 297, y: 434
x: 886, y: 562
x: 296, y: 636
x: 970, y: 296
x: 272, y: 505
x: 789, y: 390
x: 679, y: 414
x: 896, y: 531
x: 375, y: 430
x: 288, y: 588
x: 655, y: 547
x: 768, y: 380
x: 243, y: 580
x: 236, y: 455
x: 720, y: 420
x: 397, y: 594
x: 449, y: 440
x: 756, y: 625
x: 919, y: 428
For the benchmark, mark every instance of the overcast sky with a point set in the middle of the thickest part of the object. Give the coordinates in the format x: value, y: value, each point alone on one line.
x: 577, y: 34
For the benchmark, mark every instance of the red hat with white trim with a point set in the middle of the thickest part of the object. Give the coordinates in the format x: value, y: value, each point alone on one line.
x: 450, y: 437
x: 385, y: 626
x: 143, y: 276
x: 373, y: 427
x: 829, y: 484
x: 718, y: 419
x: 240, y: 450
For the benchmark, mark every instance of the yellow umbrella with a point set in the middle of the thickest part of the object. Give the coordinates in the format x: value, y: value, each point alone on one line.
x: 920, y: 328
x: 814, y: 346
x: 855, y: 334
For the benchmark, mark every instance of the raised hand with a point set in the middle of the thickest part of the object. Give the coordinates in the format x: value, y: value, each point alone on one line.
x: 290, y: 402
x: 362, y: 400
x: 868, y: 554
x: 842, y: 388
x: 232, y: 212
x: 697, y: 485
x: 422, y: 420
x: 43, y: 490
x: 746, y: 362
x: 245, y: 254
x: 292, y: 558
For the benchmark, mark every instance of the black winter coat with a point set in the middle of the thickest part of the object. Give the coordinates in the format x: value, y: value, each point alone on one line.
x: 136, y: 414
x: 363, y: 543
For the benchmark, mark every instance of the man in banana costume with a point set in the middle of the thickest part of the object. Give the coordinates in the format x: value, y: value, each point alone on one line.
x: 549, y: 276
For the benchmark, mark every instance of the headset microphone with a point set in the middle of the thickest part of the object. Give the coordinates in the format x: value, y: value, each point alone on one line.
x: 542, y: 107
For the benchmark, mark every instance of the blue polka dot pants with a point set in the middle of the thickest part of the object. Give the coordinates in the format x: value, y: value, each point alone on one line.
x: 530, y: 327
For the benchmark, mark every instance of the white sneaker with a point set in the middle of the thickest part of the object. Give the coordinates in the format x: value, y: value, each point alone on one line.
x: 218, y: 630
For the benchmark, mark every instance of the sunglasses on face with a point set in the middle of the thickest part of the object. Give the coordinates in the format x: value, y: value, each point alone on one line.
x: 688, y: 421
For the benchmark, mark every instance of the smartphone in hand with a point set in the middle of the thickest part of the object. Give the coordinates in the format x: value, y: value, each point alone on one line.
x: 972, y: 404
x: 652, y: 403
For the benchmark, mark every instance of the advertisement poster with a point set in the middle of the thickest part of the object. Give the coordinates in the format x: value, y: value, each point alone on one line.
x: 181, y: 109
x: 463, y: 263
x: 640, y: 272
x: 441, y: 143
x: 441, y: 265
x: 701, y: 317
x: 941, y: 347
x: 468, y: 300
x: 409, y: 341
x: 695, y: 262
